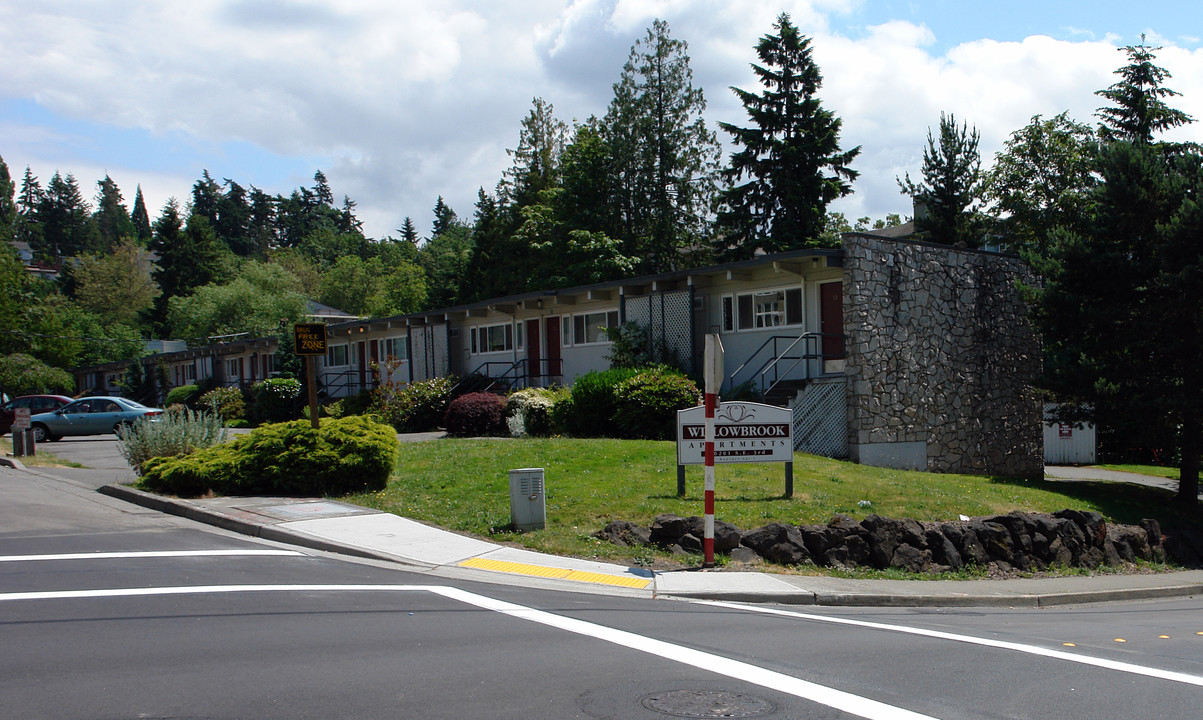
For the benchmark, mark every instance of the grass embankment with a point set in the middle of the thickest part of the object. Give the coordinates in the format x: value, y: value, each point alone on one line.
x: 463, y: 485
x: 42, y: 459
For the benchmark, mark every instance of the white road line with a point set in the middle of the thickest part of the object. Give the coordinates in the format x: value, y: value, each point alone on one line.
x: 838, y: 699
x: 969, y: 639
x: 150, y: 554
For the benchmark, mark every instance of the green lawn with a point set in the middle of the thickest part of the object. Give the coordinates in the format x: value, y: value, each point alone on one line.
x: 463, y: 485
x: 1155, y: 470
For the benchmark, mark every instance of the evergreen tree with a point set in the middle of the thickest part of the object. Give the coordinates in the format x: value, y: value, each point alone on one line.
x: 261, y: 223
x: 8, y: 204
x: 66, y: 219
x: 409, y: 233
x: 537, y: 158
x: 444, y: 218
x: 140, y: 219
x: 947, y: 201
x: 112, y: 219
x: 1121, y: 309
x: 189, y: 256
x: 664, y: 155
x: 790, y: 156
x: 28, y: 227
x: 1139, y: 108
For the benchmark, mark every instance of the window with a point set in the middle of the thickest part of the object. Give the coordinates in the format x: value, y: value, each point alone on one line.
x: 762, y: 309
x: 493, y: 338
x: 336, y: 355
x: 396, y: 348
x: 189, y: 373
x: 588, y: 328
x: 232, y: 368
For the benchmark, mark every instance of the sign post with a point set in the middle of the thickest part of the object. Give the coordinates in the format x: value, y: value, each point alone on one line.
x: 23, y: 443
x: 310, y: 342
x: 713, y: 361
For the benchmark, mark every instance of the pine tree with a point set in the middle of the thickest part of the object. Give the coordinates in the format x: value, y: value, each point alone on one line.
x: 664, y: 155
x: 536, y: 166
x: 409, y: 233
x: 1139, y: 97
x: 444, y: 218
x: 8, y: 204
x: 947, y: 201
x: 28, y: 226
x: 140, y: 219
x: 66, y: 219
x: 790, y: 156
x: 112, y: 219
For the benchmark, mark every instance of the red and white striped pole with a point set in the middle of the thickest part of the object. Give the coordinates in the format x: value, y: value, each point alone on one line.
x: 714, y: 379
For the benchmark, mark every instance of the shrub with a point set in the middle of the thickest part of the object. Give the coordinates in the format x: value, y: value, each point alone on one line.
x: 183, y: 395
x: 647, y: 403
x: 530, y: 411
x: 415, y: 407
x: 225, y: 402
x: 345, y: 455
x: 177, y: 432
x: 476, y: 414
x: 275, y: 400
x: 594, y: 402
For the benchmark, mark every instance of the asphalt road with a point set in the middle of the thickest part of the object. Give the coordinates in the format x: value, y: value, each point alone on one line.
x: 110, y: 611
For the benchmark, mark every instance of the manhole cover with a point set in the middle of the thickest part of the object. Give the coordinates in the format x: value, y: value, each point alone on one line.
x: 707, y: 704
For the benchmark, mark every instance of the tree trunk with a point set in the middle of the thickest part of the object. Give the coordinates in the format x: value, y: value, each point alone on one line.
x: 1192, y: 439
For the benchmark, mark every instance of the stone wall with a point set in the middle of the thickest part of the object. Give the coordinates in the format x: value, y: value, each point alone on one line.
x: 941, y: 359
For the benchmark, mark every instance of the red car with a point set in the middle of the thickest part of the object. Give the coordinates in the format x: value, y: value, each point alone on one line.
x: 35, y: 403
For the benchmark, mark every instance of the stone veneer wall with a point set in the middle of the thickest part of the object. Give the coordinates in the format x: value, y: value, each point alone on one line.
x: 941, y: 359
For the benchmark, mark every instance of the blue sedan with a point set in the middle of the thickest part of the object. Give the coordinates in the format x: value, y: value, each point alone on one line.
x: 89, y: 416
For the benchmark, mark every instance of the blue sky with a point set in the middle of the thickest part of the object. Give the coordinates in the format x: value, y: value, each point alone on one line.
x: 401, y: 101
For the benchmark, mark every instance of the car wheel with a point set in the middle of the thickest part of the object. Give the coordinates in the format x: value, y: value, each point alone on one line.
x: 41, y: 434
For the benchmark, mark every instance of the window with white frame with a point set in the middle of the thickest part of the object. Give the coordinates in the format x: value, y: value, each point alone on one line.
x: 493, y: 338
x: 588, y: 328
x: 336, y: 356
x: 396, y: 348
x: 233, y: 368
x: 762, y: 309
x: 190, y: 373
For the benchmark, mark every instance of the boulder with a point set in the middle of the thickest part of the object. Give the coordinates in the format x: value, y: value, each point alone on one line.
x: 624, y: 533
x: 779, y: 543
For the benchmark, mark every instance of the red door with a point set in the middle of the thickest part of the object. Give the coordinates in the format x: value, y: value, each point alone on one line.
x: 831, y: 319
x: 533, y: 368
x: 554, y: 367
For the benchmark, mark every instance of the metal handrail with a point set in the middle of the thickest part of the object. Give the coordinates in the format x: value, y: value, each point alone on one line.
x: 516, y: 373
x: 774, y: 363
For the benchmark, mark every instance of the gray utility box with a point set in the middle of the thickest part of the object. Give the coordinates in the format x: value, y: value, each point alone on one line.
x: 528, y: 506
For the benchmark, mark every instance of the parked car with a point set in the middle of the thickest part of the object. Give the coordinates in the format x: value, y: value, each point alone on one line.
x: 35, y: 403
x: 89, y: 416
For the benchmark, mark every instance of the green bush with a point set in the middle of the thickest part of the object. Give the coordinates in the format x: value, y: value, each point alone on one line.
x: 594, y: 402
x: 415, y: 407
x: 276, y: 400
x: 345, y: 455
x: 476, y: 414
x: 225, y: 402
x: 183, y: 395
x: 531, y: 411
x: 176, y: 432
x: 647, y: 403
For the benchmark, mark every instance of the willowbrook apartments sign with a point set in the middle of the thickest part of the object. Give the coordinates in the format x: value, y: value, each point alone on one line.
x: 743, y: 432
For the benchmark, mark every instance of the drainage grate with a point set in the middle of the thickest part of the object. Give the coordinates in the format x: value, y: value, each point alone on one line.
x: 707, y: 704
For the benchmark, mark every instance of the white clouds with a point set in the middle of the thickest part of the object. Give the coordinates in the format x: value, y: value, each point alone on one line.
x: 402, y: 101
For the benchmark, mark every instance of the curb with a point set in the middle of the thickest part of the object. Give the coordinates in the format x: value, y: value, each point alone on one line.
x: 187, y: 510
x: 191, y: 511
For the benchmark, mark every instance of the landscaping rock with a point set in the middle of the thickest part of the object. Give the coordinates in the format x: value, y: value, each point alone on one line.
x: 779, y: 543
x: 624, y: 533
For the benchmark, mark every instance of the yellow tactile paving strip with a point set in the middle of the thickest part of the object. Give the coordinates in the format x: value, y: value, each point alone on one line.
x: 555, y: 573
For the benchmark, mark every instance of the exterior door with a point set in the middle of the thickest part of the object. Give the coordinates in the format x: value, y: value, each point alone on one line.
x: 534, y: 369
x: 831, y: 325
x: 554, y: 364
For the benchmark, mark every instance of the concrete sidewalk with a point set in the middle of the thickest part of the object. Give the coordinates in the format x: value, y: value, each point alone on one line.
x: 349, y: 529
